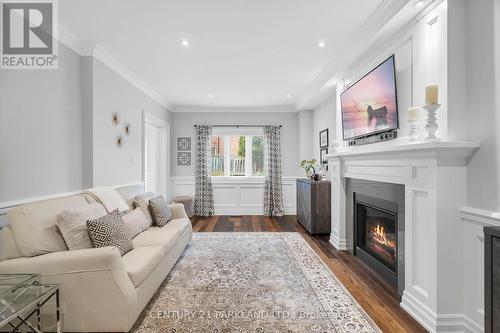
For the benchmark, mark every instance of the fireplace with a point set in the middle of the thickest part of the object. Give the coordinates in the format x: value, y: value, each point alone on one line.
x: 376, y: 235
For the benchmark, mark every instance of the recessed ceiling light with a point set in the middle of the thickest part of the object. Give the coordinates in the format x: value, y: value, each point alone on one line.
x: 210, y: 96
x: 419, y: 3
x: 185, y: 43
x: 288, y: 95
x: 321, y: 44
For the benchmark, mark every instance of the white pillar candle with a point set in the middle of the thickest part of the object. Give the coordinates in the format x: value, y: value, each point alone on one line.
x: 431, y: 94
x: 413, y: 113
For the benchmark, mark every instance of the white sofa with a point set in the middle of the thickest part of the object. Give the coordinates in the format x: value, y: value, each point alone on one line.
x: 100, y: 290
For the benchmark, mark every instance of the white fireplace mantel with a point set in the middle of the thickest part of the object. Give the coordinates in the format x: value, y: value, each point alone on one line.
x: 434, y: 176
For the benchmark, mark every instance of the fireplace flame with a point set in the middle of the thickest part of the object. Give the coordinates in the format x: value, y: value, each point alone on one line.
x: 380, y: 236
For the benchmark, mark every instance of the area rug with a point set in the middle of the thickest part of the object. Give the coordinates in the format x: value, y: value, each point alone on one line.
x: 252, y: 282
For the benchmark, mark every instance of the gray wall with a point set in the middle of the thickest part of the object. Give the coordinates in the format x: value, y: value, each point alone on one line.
x: 56, y: 133
x: 482, y: 58
x: 324, y: 117
x: 183, y: 123
x: 114, y: 165
x: 305, y: 119
x: 41, y: 129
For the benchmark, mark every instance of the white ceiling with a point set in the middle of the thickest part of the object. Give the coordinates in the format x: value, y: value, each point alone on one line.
x: 245, y: 53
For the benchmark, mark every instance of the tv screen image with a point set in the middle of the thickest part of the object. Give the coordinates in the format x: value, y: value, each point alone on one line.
x: 370, y: 106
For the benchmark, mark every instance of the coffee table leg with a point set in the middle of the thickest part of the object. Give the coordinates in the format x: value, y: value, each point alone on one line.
x: 58, y: 314
x: 38, y: 319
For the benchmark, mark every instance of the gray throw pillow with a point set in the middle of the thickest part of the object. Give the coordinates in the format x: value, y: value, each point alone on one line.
x: 110, y: 230
x: 160, y: 211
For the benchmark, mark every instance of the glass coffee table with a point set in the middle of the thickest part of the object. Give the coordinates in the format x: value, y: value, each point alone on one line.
x: 21, y: 300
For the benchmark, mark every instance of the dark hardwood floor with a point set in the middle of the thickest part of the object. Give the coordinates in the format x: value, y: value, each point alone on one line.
x: 377, y: 298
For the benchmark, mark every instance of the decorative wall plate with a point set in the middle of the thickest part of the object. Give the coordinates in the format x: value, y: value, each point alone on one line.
x: 183, y: 158
x: 184, y: 143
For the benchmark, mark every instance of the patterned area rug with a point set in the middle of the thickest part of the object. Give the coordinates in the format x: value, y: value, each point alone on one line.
x: 252, y: 282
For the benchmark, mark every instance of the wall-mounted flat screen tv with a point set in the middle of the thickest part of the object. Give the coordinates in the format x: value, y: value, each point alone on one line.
x: 370, y: 106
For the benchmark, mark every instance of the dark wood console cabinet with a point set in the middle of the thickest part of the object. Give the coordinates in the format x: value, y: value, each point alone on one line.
x: 492, y: 279
x: 313, y: 205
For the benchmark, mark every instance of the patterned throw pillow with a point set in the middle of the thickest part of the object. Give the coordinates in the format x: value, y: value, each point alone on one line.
x: 160, y: 211
x: 110, y: 230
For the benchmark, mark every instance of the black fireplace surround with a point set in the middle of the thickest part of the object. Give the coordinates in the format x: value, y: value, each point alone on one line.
x: 375, y: 235
x: 377, y: 228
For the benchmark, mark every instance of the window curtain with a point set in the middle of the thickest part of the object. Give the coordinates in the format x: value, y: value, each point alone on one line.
x: 204, y: 196
x: 273, y: 188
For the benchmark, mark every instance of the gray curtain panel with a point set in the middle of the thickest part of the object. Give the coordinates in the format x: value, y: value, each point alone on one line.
x: 204, y: 196
x: 273, y: 188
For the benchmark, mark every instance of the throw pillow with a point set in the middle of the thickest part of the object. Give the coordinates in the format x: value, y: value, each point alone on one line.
x: 136, y: 222
x: 73, y: 224
x: 110, y: 230
x: 160, y: 211
x: 142, y: 201
x: 110, y: 198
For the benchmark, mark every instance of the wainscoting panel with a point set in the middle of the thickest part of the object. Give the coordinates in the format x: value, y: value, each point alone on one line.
x: 238, y: 196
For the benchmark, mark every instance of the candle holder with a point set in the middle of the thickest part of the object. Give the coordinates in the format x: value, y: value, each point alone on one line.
x: 413, y: 130
x: 432, y: 125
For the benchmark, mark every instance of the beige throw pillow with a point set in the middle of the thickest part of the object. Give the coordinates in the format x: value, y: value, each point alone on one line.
x: 136, y: 222
x: 73, y: 224
x: 142, y: 201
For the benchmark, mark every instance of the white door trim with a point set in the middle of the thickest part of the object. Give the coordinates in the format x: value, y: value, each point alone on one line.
x: 164, y: 170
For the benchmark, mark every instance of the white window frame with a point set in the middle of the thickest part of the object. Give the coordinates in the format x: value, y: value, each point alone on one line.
x: 247, y: 132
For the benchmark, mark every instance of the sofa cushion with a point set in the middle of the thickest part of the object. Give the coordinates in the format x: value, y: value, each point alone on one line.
x: 129, y: 192
x: 8, y: 247
x: 160, y: 211
x: 136, y: 222
x: 110, y: 199
x: 110, y: 230
x: 142, y: 201
x: 141, y: 262
x: 34, y: 225
x: 166, y: 236
x: 73, y: 224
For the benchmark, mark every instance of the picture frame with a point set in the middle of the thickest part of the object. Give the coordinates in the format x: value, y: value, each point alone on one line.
x: 322, y: 156
x: 323, y: 138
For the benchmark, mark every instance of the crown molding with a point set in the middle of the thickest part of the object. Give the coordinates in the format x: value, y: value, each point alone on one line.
x: 277, y: 108
x: 85, y: 49
x: 89, y: 49
x: 324, y: 84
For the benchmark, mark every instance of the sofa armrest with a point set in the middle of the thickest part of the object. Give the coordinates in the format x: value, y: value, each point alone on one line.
x: 104, y: 258
x: 178, y: 211
x: 95, y: 287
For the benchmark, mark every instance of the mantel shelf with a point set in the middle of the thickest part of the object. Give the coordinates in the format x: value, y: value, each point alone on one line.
x: 441, y: 149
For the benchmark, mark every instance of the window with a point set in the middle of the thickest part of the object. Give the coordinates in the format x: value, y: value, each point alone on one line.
x: 237, y: 152
x: 217, y: 155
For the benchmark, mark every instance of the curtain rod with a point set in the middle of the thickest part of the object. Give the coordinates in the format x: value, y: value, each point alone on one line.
x: 228, y: 125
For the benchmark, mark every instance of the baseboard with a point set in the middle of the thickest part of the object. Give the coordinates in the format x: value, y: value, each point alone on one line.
x: 457, y: 323
x: 339, y: 244
x: 419, y: 311
x: 438, y: 322
x: 248, y: 210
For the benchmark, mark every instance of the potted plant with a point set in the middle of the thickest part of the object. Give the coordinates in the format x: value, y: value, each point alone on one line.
x: 309, y: 167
